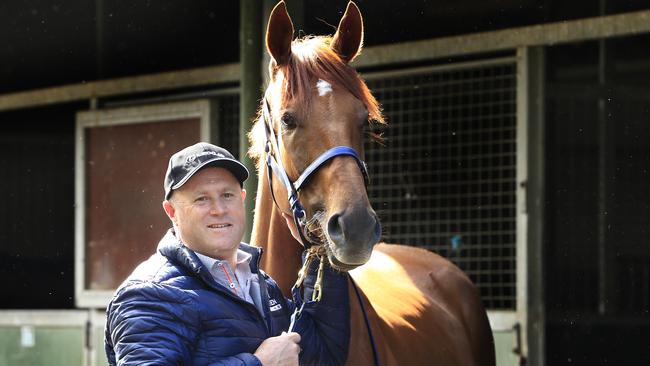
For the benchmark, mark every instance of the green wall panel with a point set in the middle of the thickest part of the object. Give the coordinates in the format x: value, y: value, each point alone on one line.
x: 504, y: 343
x: 52, y: 346
x: 100, y: 354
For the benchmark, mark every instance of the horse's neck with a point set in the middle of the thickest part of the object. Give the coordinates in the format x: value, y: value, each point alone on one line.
x: 281, y: 257
x: 281, y: 260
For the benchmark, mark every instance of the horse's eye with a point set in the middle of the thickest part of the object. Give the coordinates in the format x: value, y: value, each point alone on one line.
x: 289, y: 121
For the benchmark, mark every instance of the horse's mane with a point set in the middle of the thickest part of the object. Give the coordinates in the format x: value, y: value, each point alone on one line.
x: 311, y: 59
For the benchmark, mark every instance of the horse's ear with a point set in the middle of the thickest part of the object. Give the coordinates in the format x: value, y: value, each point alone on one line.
x: 349, y: 36
x: 279, y: 34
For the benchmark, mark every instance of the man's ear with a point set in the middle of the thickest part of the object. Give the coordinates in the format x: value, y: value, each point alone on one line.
x: 243, y: 194
x: 169, y: 210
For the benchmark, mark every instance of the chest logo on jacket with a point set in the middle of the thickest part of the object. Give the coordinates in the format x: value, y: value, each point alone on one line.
x: 274, y: 305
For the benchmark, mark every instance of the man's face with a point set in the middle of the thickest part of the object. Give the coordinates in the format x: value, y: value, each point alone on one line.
x: 208, y: 211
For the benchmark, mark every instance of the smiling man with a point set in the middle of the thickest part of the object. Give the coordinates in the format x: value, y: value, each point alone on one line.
x: 208, y: 213
x: 201, y: 299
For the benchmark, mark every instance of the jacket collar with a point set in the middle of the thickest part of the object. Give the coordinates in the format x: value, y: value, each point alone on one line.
x: 173, y: 249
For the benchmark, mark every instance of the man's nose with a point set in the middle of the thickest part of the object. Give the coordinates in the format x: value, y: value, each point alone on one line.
x: 217, y: 207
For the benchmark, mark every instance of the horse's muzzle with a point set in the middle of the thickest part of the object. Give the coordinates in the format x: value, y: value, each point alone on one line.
x: 352, y: 234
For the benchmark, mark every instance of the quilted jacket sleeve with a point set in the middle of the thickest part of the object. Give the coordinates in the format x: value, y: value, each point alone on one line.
x: 151, y: 324
x: 324, y: 326
x: 147, y: 324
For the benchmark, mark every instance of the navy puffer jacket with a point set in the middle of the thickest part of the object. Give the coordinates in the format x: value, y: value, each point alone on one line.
x: 170, y: 311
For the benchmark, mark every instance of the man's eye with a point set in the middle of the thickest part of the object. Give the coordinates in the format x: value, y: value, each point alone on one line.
x: 201, y: 199
x: 228, y: 195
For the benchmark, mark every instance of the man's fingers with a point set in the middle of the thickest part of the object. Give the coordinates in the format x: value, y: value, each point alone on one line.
x: 281, y: 350
x: 295, y: 337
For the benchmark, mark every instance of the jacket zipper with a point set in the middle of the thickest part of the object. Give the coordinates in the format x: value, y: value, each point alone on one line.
x: 264, y: 296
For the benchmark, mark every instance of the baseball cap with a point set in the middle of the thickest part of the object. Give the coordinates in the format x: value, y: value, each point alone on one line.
x: 185, y: 163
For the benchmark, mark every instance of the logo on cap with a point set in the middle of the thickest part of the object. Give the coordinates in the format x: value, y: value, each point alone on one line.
x: 191, y: 160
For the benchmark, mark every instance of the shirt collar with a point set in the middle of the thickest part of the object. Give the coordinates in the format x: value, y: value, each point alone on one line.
x: 209, y: 262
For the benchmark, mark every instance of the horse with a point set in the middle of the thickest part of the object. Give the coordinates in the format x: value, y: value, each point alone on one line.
x: 418, y: 307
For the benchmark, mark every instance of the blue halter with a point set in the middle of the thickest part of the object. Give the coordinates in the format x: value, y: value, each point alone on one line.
x: 274, y: 164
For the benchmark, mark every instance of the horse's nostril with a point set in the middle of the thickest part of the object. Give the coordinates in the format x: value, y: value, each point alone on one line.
x: 334, y: 228
x: 355, y: 230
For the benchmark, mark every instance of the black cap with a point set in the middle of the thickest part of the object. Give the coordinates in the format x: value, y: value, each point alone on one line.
x: 191, y: 159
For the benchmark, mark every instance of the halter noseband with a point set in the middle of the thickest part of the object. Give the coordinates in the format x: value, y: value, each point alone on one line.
x: 273, y: 164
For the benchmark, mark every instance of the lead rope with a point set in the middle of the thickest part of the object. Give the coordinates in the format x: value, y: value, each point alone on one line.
x: 312, y: 253
x: 319, y: 252
x: 373, y: 344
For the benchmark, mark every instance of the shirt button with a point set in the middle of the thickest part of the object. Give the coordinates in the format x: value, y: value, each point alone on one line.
x: 232, y: 285
x: 220, y: 264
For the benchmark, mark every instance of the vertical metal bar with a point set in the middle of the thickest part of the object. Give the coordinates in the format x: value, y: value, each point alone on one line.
x: 99, y: 39
x: 80, y: 212
x: 214, y: 120
x: 267, y: 7
x: 250, y: 43
x: 535, y: 198
x: 602, y: 188
x: 523, y: 83
x: 89, y: 349
x: 607, y: 282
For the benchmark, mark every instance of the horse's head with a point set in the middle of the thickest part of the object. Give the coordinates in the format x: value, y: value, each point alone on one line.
x: 316, y: 102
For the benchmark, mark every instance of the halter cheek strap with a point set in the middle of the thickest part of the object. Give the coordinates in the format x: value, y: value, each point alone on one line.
x: 274, y: 165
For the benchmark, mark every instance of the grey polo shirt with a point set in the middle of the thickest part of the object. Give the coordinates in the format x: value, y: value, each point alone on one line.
x: 241, y: 281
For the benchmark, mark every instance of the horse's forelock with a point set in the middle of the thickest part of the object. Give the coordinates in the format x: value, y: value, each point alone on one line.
x: 312, y: 59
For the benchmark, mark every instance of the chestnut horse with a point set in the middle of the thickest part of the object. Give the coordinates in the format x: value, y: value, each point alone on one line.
x: 421, y: 309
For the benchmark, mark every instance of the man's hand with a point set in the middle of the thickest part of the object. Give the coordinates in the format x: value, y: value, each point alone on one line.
x: 280, y: 350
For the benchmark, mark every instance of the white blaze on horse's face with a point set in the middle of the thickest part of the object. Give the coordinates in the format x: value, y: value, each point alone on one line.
x: 323, y: 87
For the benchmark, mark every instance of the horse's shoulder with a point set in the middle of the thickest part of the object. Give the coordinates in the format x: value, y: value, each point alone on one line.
x: 426, y: 266
x: 415, y: 258
x: 419, y: 300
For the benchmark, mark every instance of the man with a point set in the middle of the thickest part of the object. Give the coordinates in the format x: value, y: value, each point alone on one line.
x: 201, y: 299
